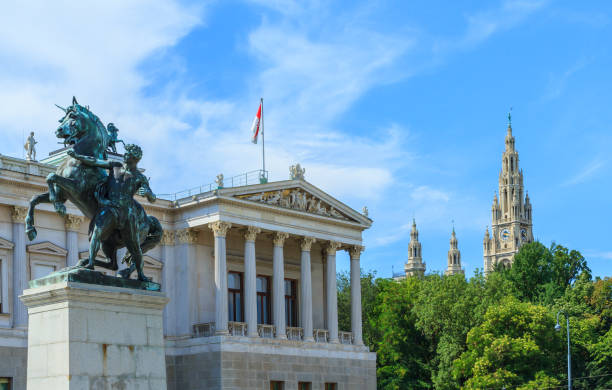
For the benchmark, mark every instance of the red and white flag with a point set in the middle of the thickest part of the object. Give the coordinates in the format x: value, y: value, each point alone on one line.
x: 255, y: 126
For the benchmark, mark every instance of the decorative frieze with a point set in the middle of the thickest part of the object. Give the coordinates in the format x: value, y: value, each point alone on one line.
x: 19, y: 214
x: 220, y: 228
x: 168, y: 238
x: 187, y: 236
x: 251, y: 233
x: 306, y: 243
x: 279, y: 238
x: 297, y: 199
x: 73, y: 222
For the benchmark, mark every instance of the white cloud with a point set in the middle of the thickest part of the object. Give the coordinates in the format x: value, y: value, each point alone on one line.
x: 585, y: 173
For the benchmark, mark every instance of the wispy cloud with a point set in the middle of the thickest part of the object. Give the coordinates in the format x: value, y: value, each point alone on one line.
x: 586, y: 173
x: 557, y: 83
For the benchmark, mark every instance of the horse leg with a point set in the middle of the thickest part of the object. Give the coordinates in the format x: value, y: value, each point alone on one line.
x: 29, y: 221
x: 104, y: 224
x: 110, y: 250
x: 57, y: 184
x: 133, y: 246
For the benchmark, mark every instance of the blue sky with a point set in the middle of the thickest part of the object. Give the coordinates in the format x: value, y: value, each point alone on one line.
x: 400, y: 106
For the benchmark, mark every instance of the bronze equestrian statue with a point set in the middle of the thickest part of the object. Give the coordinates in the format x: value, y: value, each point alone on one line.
x: 117, y: 220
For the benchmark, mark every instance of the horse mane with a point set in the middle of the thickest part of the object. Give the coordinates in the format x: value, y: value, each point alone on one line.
x: 101, y: 128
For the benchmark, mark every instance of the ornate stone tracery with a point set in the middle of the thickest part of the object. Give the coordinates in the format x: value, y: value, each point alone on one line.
x: 251, y: 233
x: 73, y: 222
x: 167, y: 238
x: 220, y: 228
x: 306, y: 243
x: 187, y: 236
x: 296, y: 199
x: 18, y: 214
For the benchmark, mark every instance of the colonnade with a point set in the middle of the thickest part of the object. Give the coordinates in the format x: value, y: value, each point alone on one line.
x: 220, y: 230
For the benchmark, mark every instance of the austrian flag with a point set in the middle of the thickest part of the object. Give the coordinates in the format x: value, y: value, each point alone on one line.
x: 256, y: 122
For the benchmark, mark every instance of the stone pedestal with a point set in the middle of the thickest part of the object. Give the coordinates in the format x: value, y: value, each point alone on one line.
x: 87, y: 336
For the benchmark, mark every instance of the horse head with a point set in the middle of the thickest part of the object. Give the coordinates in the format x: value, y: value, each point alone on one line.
x: 83, y: 129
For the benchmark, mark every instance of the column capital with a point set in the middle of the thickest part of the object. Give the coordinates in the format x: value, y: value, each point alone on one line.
x: 187, y: 236
x: 306, y: 243
x: 279, y: 238
x: 168, y: 237
x: 355, y: 251
x: 220, y: 228
x: 73, y: 222
x: 332, y: 247
x: 19, y: 214
x: 251, y: 233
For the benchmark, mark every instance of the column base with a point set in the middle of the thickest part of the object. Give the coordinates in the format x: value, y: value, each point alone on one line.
x: 281, y: 337
x: 309, y: 339
x: 334, y: 341
x: 221, y: 332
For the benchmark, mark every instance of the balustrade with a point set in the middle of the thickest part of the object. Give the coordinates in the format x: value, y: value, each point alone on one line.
x: 266, y: 331
x: 320, y: 335
x: 237, y: 328
x: 205, y: 329
x: 295, y: 333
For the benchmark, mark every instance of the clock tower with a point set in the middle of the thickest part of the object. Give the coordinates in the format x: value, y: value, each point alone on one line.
x: 511, y: 214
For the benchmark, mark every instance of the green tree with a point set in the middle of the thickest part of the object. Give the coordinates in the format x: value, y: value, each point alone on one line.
x: 403, y: 352
x: 516, y: 344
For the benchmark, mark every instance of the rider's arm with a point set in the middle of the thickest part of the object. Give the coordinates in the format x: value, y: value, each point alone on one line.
x: 144, y: 184
x: 92, y: 161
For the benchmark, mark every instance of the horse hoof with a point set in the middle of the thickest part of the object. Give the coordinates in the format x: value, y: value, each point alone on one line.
x: 31, y: 232
x: 125, y: 273
x: 60, y: 208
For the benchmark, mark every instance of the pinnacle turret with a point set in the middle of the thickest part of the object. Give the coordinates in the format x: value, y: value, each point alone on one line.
x: 415, y: 265
x: 454, y: 257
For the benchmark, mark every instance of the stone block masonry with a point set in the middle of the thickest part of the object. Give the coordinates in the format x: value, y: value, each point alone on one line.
x: 231, y: 363
x: 84, y: 336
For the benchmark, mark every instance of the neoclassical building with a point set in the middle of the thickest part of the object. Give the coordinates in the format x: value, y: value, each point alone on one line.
x: 511, y: 222
x: 250, y: 272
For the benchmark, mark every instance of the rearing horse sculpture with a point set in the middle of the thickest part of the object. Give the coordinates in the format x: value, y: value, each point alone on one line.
x: 78, y: 183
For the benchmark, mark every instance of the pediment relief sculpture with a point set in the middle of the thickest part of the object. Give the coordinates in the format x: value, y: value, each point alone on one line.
x: 296, y: 199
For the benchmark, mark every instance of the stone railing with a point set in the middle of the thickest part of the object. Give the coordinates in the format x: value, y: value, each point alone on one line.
x: 237, y: 328
x: 294, y: 333
x: 206, y: 329
x: 345, y: 337
x: 266, y: 331
x: 320, y: 335
x: 24, y: 166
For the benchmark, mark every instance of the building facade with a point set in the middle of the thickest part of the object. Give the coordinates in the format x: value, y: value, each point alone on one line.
x: 511, y: 214
x: 250, y: 272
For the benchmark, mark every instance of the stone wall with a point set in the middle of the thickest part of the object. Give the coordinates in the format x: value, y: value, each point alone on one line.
x: 235, y: 370
x: 13, y: 363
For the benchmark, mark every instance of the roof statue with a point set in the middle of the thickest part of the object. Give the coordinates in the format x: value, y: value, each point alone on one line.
x: 219, y: 180
x: 88, y: 180
x: 297, y: 172
x: 30, y: 147
x: 365, y: 211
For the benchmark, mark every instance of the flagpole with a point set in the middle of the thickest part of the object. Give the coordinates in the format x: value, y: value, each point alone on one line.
x: 263, y: 141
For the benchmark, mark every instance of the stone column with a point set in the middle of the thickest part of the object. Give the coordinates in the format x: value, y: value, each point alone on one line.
x: 250, y: 280
x: 186, y: 303
x: 20, y: 277
x: 72, y: 223
x: 278, y: 287
x: 306, y: 288
x: 355, y: 253
x: 169, y: 282
x: 220, y: 229
x: 331, y: 291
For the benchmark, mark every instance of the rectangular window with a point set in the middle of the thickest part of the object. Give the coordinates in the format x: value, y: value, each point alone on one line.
x: 331, y: 386
x: 304, y: 386
x: 277, y: 385
x: 263, y: 300
x: 234, y: 297
x: 291, y: 314
x: 5, y: 383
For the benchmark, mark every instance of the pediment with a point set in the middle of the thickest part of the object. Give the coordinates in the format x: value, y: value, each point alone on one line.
x: 47, y: 248
x: 301, y: 196
x: 6, y: 244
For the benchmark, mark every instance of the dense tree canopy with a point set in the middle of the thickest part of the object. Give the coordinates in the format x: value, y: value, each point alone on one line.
x: 446, y: 332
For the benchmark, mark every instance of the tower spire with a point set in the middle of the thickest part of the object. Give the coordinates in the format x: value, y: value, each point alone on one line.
x: 415, y: 265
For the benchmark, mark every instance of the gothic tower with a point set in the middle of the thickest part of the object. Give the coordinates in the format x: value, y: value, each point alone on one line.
x: 414, y: 266
x: 511, y: 213
x: 454, y: 257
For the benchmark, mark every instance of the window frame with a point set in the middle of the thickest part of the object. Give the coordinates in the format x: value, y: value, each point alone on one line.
x: 231, y: 297
x: 274, y: 384
x: 260, y: 298
x: 331, y: 386
x: 7, y: 380
x: 304, y: 385
x: 291, y: 319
